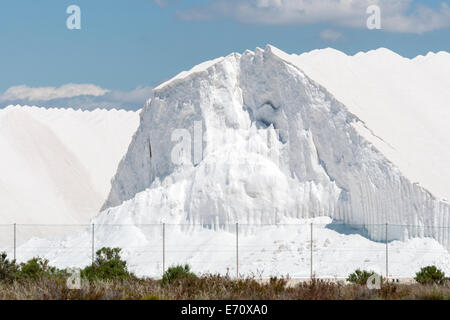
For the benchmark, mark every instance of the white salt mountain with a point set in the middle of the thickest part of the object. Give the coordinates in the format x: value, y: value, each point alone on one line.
x: 57, y: 164
x: 279, y: 148
x: 328, y: 162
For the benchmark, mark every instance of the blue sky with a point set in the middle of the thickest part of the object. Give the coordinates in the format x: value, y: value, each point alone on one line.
x: 124, y: 45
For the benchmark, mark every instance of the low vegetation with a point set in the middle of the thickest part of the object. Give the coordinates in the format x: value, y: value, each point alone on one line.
x: 431, y: 275
x: 109, y: 279
x: 360, y: 276
x: 108, y: 265
x: 177, y: 273
x: 35, y: 268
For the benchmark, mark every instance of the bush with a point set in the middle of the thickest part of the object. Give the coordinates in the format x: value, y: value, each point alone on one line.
x: 36, y: 268
x: 177, y: 272
x: 360, y: 276
x: 108, y: 265
x: 430, y: 275
x: 8, y: 269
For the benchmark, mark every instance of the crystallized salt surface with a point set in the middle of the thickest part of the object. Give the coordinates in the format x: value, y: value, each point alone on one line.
x: 57, y: 164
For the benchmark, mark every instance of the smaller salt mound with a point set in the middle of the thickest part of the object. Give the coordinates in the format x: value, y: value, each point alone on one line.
x: 56, y: 164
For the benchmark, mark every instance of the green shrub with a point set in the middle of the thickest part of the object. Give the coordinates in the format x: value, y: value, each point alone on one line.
x: 36, y: 268
x: 108, y: 265
x: 430, y: 275
x: 360, y: 276
x: 8, y: 269
x: 177, y: 272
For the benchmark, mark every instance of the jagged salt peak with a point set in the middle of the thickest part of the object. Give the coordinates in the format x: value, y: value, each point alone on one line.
x: 184, y: 74
x: 331, y: 161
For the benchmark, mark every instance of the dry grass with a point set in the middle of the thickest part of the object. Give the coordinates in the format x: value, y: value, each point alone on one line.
x: 212, y: 287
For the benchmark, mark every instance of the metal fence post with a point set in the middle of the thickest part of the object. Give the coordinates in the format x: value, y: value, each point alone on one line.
x: 164, y: 247
x: 93, y: 244
x: 237, y: 250
x: 15, y: 241
x: 311, y: 252
x: 387, y: 254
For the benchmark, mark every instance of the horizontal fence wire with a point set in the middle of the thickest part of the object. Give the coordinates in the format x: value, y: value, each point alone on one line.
x: 300, y: 250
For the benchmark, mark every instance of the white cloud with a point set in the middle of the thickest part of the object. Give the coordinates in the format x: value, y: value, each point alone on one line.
x: 422, y: 19
x: 87, y: 96
x: 70, y: 90
x: 165, y: 3
x: 330, y: 35
x: 396, y: 15
x: 161, y: 3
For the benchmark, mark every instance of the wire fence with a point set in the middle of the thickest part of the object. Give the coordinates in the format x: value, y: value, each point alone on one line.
x: 321, y: 250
